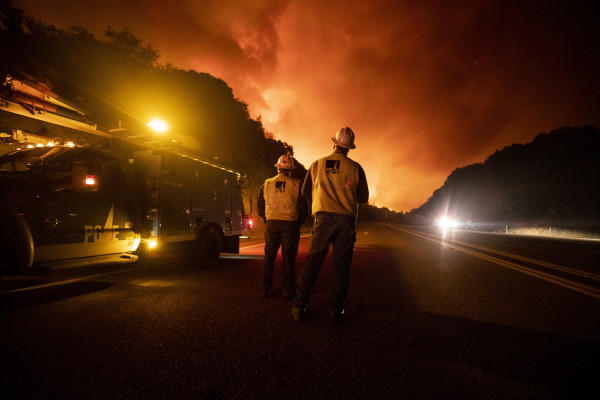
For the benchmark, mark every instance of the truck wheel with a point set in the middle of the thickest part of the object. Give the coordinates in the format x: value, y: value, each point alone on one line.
x: 16, y: 242
x: 143, y: 252
x: 208, y: 248
x: 8, y: 258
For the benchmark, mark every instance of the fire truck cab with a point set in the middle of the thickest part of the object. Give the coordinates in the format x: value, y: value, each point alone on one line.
x: 115, y: 198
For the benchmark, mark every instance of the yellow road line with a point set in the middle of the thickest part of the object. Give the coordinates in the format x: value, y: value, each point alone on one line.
x: 573, y: 271
x: 566, y: 283
x: 579, y: 287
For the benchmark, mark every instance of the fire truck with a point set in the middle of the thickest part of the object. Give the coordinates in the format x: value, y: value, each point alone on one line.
x: 117, y: 197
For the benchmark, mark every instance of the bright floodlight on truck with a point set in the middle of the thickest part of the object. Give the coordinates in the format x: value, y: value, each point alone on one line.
x: 158, y: 126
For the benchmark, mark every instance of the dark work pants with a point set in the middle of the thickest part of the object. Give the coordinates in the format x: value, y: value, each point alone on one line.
x: 339, y: 230
x: 287, y: 235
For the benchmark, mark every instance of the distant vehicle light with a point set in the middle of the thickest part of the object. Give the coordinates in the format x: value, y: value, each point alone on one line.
x: 446, y: 223
x: 152, y: 244
x: 90, y: 180
x: 70, y: 144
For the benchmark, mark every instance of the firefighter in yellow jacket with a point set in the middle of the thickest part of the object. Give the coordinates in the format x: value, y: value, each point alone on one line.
x: 334, y: 185
x: 283, y: 209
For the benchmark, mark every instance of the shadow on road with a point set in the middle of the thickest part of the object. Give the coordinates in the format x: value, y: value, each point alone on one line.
x: 12, y: 301
x: 209, y: 334
x: 560, y: 365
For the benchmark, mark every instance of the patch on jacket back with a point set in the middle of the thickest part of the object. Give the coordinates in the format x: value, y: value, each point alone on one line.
x: 332, y: 166
x: 279, y: 187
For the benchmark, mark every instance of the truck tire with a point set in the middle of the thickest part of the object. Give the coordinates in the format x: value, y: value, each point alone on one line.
x: 144, y: 253
x: 208, y: 248
x: 16, y: 242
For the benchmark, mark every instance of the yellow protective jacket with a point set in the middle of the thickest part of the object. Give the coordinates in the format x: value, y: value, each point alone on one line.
x: 281, y: 196
x: 337, y: 184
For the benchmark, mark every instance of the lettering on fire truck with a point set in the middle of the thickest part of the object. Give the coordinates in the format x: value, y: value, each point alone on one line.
x: 96, y: 233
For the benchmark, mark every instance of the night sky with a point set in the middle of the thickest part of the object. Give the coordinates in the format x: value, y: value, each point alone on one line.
x: 427, y: 86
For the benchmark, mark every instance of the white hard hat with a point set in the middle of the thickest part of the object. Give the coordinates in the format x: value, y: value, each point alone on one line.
x: 344, y: 138
x: 285, y: 162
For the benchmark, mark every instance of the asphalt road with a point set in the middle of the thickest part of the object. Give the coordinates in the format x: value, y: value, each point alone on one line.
x: 428, y: 318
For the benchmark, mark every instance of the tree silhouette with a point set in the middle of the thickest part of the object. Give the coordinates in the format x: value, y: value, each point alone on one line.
x: 553, y: 181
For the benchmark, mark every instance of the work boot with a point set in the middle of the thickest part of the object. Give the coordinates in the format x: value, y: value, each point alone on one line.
x: 298, y: 314
x: 336, y: 316
x: 289, y: 296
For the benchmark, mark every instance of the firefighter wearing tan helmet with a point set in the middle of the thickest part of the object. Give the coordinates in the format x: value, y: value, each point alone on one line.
x: 334, y: 186
x: 283, y: 209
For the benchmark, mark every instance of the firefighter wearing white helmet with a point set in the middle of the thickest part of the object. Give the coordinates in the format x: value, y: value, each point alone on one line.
x: 334, y: 186
x: 286, y: 163
x: 344, y: 138
x: 283, y: 209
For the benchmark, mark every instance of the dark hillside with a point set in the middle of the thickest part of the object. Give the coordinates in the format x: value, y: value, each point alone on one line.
x: 553, y: 181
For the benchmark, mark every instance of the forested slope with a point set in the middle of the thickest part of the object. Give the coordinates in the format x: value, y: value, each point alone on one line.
x: 552, y: 181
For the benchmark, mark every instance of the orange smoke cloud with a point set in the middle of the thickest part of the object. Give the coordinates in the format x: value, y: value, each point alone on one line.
x: 428, y: 87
